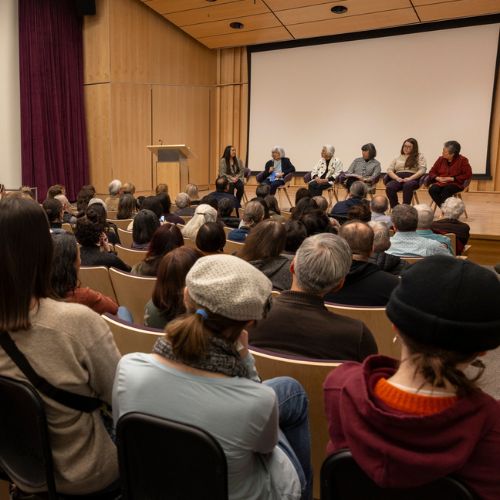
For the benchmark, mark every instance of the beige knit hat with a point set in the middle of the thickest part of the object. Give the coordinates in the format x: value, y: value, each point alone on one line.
x: 229, y: 286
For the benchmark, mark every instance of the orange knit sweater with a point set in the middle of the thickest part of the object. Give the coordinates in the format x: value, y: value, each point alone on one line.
x: 407, y: 402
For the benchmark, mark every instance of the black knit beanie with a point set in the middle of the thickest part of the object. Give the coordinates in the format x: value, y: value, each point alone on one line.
x: 448, y: 303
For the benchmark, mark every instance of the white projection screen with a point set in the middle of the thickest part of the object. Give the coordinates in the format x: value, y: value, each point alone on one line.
x: 434, y: 86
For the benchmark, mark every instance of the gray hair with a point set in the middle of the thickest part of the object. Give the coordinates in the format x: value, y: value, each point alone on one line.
x: 192, y: 191
x: 381, y: 236
x: 425, y: 216
x: 114, y: 187
x: 379, y: 204
x: 280, y: 150
x: 322, y: 202
x: 203, y: 213
x: 254, y: 212
x: 98, y: 201
x: 329, y: 148
x: 182, y: 200
x: 453, y: 208
x: 63, y: 199
x: 358, y: 189
x: 321, y: 263
x: 404, y: 218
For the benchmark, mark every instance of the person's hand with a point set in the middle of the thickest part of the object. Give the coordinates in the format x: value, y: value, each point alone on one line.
x: 104, y: 243
x: 271, y: 170
x: 243, y: 341
x: 323, y: 181
x: 279, y: 175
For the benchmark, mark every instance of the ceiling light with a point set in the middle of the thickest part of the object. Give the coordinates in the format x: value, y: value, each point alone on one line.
x: 339, y: 9
x: 236, y: 25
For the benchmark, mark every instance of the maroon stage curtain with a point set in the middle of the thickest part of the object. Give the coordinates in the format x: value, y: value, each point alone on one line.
x: 53, y: 135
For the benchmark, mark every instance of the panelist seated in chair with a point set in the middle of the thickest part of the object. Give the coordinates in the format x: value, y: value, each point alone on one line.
x: 277, y: 169
x: 201, y: 373
x: 233, y: 168
x: 404, y: 172
x: 299, y: 323
x: 366, y: 168
x: 450, y: 174
x: 325, y: 172
x: 412, y: 421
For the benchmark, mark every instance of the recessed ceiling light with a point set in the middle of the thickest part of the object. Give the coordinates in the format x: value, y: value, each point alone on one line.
x: 339, y: 9
x: 211, y: 0
x: 236, y: 25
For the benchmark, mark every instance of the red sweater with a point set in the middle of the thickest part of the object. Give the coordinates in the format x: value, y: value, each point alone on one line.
x: 95, y: 300
x: 458, y: 167
x: 398, y: 449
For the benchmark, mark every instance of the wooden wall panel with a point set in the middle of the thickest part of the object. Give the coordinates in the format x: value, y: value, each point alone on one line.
x: 96, y: 61
x: 131, y: 133
x: 191, y: 108
x: 98, y: 114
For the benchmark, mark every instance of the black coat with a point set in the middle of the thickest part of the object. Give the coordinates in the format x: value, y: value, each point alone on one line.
x: 286, y: 167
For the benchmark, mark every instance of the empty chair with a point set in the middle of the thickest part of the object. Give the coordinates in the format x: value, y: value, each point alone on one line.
x: 161, y: 458
x: 125, y: 237
x: 233, y: 247
x: 97, y: 278
x: 129, y: 256
x: 133, y: 292
x: 343, y: 479
x: 121, y: 223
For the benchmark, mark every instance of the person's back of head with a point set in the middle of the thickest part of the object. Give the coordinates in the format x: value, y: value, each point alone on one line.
x: 381, y: 236
x: 225, y: 207
x: 203, y: 213
x: 96, y: 213
x: 114, y: 187
x: 211, y: 238
x: 358, y: 189
x: 182, y: 201
x: 425, y: 216
x: 265, y: 241
x: 316, y: 222
x: 262, y: 190
x: 167, y: 237
x: 165, y: 202
x: 126, y: 206
x: 145, y: 224
x: 404, y: 218
x: 221, y: 184
x: 302, y: 193
x: 192, y: 191
x: 379, y: 204
x: 321, y: 202
x: 54, y: 190
x: 304, y: 206
x: 359, y: 237
x: 54, y: 209
x: 321, y: 263
x: 296, y: 233
x: 264, y: 206
x: 128, y: 188
x: 64, y: 269
x: 87, y: 233
x: 161, y: 188
x: 25, y: 272
x: 272, y: 204
x: 254, y: 213
x: 453, y: 208
x: 360, y: 212
x: 210, y: 200
x: 446, y: 320
x: 153, y: 204
x: 82, y: 199
x: 64, y: 201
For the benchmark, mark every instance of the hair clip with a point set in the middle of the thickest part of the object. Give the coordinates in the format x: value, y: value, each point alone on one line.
x: 202, y: 313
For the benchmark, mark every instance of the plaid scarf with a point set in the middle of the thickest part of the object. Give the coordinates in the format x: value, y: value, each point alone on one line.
x: 221, y: 357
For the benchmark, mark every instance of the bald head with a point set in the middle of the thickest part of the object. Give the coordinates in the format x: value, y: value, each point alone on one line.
x: 379, y: 204
x: 359, y: 237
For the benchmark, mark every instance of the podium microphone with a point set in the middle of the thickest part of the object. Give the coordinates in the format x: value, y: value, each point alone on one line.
x: 160, y: 141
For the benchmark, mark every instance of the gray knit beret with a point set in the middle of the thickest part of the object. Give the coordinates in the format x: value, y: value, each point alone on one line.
x: 448, y: 303
x: 229, y: 286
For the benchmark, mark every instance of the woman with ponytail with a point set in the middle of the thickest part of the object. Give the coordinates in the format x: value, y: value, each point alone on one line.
x: 413, y: 421
x: 202, y: 373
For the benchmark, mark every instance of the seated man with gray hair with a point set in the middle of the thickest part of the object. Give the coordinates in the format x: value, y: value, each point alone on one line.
x: 254, y: 213
x: 382, y: 242
x: 425, y: 218
x: 357, y: 195
x: 299, y: 323
x: 452, y: 209
x: 365, y: 284
x: 114, y: 195
x: 183, y: 204
x: 406, y: 242
x: 378, y: 207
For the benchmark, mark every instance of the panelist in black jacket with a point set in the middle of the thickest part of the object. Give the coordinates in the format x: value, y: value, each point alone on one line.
x: 277, y: 169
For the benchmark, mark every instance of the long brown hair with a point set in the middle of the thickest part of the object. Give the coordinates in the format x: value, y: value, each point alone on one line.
x: 265, y: 241
x: 412, y: 160
x: 24, y: 266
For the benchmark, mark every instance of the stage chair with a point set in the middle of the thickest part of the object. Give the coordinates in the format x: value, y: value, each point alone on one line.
x: 129, y: 256
x: 456, y: 195
x: 232, y: 247
x: 133, y: 292
x: 111, y: 214
x: 287, y: 179
x: 121, y: 223
x: 343, y: 479
x: 246, y: 175
x: 162, y: 458
x: 453, y: 239
x: 311, y: 373
x: 125, y: 238
x: 97, y: 278
x: 132, y: 337
x: 378, y: 323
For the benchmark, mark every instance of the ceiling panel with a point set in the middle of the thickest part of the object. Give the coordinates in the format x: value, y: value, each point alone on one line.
x: 277, y: 20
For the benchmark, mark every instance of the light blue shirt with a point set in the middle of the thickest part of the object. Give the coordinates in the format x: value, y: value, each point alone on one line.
x: 277, y: 170
x: 441, y: 238
x: 410, y: 244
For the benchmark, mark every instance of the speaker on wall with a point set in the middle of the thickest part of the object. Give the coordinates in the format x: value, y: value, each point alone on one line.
x: 85, y: 7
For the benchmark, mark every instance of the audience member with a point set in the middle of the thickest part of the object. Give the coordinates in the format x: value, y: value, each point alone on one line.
x: 262, y: 190
x: 254, y: 213
x: 211, y: 238
x: 154, y: 204
x: 299, y: 323
x: 224, y: 212
x: 301, y: 193
x: 360, y: 212
x: 167, y: 302
x: 203, y: 213
x: 192, y: 192
x: 274, y: 209
x: 263, y: 248
x: 379, y: 206
x: 54, y: 210
x: 222, y: 185
x: 166, y: 215
x: 446, y: 313
x: 128, y: 188
x: 96, y: 212
x: 264, y: 206
x: 167, y: 237
x: 160, y: 189
x: 126, y: 207
x: 183, y: 204
x: 382, y: 242
x: 145, y: 224
x: 114, y: 195
x: 296, y: 233
x: 201, y: 373
x: 425, y: 218
x: 322, y: 203
x: 304, y: 206
x: 67, y: 344
x: 357, y: 195
x: 406, y: 241
x: 210, y: 200
x: 82, y: 199
x: 68, y: 216
x: 317, y: 222
x: 452, y: 209
x: 365, y: 284
x: 53, y: 191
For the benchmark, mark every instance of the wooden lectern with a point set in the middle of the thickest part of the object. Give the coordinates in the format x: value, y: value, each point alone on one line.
x: 171, y: 166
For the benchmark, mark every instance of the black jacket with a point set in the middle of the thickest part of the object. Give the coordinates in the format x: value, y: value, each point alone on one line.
x: 286, y: 167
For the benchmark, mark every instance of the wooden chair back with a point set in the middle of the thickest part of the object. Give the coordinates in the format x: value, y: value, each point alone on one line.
x: 133, y: 292
x: 453, y: 240
x: 125, y: 238
x: 97, y: 278
x: 412, y: 260
x: 233, y: 247
x: 190, y: 243
x: 121, y: 223
x: 129, y: 256
x: 67, y: 227
x: 311, y: 374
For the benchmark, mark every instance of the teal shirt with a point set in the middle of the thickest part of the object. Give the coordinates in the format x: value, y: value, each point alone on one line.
x: 441, y: 238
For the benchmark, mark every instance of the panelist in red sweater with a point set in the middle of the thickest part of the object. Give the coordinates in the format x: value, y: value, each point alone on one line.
x: 450, y: 174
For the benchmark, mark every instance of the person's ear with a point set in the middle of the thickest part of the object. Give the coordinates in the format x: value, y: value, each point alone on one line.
x: 340, y: 284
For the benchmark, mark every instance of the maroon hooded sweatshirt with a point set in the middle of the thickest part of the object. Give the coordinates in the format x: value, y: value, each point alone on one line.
x: 400, y: 450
